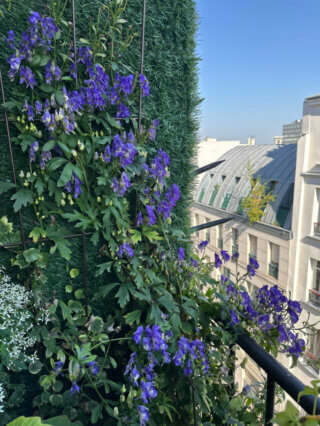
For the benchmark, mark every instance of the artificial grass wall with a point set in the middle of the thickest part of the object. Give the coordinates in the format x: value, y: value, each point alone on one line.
x: 170, y: 66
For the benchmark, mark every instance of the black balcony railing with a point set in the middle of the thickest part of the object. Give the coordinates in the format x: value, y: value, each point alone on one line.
x: 274, y: 269
x: 314, y: 296
x: 316, y: 229
x: 276, y: 373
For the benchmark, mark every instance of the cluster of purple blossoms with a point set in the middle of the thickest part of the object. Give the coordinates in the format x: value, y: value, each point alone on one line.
x: 181, y: 253
x: 144, y: 85
x: 126, y: 152
x: 139, y: 219
x: 77, y: 185
x: 44, y: 157
x: 33, y: 149
x: 120, y: 187
x: 153, y: 129
x: 269, y: 310
x: 253, y: 265
x: 40, y: 34
x: 190, y: 350
x: 155, y: 343
x: 125, y: 249
x: 125, y: 83
x: 171, y: 196
x: 52, y: 72
x: 158, y: 169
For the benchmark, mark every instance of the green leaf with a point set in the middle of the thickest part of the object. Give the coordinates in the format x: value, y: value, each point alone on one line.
x: 96, y: 325
x: 12, y: 105
x: 6, y: 186
x: 79, y: 294
x: 60, y: 421
x: 63, y: 247
x: 22, y: 198
x: 136, y: 236
x: 31, y: 255
x: 74, y: 369
x: 151, y: 235
x: 36, y: 233
x: 133, y: 317
x: 48, y: 145
x: 186, y: 328
x: 68, y: 288
x: 74, y: 273
x: 65, y: 311
x: 105, y: 290
x: 123, y: 294
x: 35, y: 367
x: 26, y: 421
x: 55, y: 163
x: 65, y: 175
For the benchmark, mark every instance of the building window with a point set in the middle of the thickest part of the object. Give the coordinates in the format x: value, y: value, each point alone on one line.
x: 197, y: 223
x: 235, y: 241
x: 220, y: 237
x: 252, y: 289
x: 226, y: 272
x: 274, y: 250
x: 208, y: 231
x: 314, y: 349
x: 314, y: 292
x: 253, y: 242
x: 316, y: 224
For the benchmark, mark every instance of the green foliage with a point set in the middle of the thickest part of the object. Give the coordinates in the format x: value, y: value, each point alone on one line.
x: 257, y: 200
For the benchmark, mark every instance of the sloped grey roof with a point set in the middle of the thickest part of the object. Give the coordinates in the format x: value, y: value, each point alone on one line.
x: 270, y: 162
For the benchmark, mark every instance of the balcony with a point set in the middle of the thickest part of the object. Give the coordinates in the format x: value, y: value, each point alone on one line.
x: 220, y: 243
x: 314, y: 296
x: 274, y: 269
x: 235, y: 248
x: 316, y: 229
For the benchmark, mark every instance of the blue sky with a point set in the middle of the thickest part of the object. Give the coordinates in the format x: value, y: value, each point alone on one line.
x: 260, y: 60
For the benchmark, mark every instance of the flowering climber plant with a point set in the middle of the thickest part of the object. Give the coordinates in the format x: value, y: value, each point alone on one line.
x: 152, y: 338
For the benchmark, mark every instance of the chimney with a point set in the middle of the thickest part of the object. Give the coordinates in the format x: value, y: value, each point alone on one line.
x: 251, y: 140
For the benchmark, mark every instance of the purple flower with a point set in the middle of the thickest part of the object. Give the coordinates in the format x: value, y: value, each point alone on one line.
x: 225, y: 255
x: 234, y: 317
x: 38, y: 107
x: 74, y: 388
x: 137, y: 335
x: 180, y: 253
x: 94, y: 368
x: 144, y: 85
x: 217, y: 261
x: 251, y: 271
x: 58, y: 366
x: 126, y: 249
x: 194, y: 262
x: 253, y: 263
x: 45, y: 156
x: 246, y: 390
x: 125, y: 84
x: 139, y: 219
x: 134, y: 376
x: 152, y: 130
x: 202, y: 245
x: 188, y: 369
x: 33, y: 149
x: 235, y: 257
x: 143, y: 415
x: 27, y: 77
x: 10, y: 39
x: 123, y: 111
x: 148, y: 391
x: 151, y: 215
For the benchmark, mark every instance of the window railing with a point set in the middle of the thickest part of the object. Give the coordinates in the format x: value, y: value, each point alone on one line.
x: 235, y: 248
x: 274, y: 269
x: 316, y: 229
x: 220, y: 243
x: 314, y: 296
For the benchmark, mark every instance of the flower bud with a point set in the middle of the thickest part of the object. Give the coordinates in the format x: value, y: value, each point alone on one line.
x: 99, y: 199
x: 74, y: 152
x: 63, y: 195
x: 21, y: 174
x: 116, y: 411
x: 34, y: 173
x: 28, y: 175
x: 63, y: 203
x: 26, y: 183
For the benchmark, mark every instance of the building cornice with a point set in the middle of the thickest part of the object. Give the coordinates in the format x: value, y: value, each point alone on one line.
x: 285, y: 234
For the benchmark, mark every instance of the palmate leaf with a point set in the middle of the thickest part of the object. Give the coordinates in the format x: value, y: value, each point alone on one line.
x: 133, y: 317
x: 22, y: 198
x: 123, y: 294
x: 6, y: 186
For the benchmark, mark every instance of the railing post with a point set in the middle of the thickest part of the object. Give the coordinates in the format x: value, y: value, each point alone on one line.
x: 271, y: 388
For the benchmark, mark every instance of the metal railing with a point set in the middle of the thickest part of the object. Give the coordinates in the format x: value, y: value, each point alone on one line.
x: 314, y: 296
x: 276, y: 373
x: 316, y: 229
